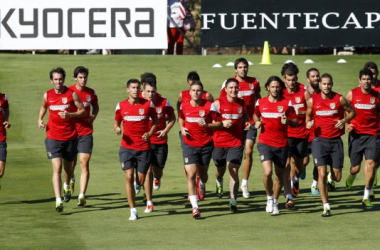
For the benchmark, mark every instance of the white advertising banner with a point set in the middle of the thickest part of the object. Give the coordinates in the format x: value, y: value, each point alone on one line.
x: 83, y: 24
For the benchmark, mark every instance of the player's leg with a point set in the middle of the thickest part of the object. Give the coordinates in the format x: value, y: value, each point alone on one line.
x: 369, y: 174
x: 205, y: 154
x: 191, y: 172
x: 57, y: 182
x: 219, y: 158
x: 161, y: 155
x: 148, y: 188
x: 68, y: 154
x: 322, y: 185
x: 3, y: 157
x: 247, y: 165
x: 266, y: 162
x: 130, y: 191
x: 84, y: 177
x: 233, y: 169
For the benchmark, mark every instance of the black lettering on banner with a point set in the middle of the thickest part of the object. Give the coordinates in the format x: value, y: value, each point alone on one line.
x: 149, y: 22
x: 93, y: 22
x: 45, y: 15
x: 5, y: 24
x: 34, y: 23
x: 123, y: 23
x: 70, y: 13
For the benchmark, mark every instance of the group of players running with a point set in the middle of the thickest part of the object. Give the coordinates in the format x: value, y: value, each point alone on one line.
x: 294, y: 120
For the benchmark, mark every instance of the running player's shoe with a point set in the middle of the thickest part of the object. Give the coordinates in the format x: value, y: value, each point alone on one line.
x: 367, y: 203
x: 233, y: 206
x: 202, y: 191
x: 326, y: 212
x: 245, y: 191
x: 59, y: 207
x: 269, y: 207
x: 72, y: 185
x: 196, y: 214
x: 296, y: 189
x: 372, y: 195
x: 156, y: 184
x: 219, y: 190
x: 275, y: 209
x: 349, y: 181
x: 149, y: 208
x: 330, y: 183
x: 81, y: 201
x: 137, y: 188
x: 66, y: 194
x: 134, y: 215
x: 375, y: 181
x: 289, y: 204
x: 303, y: 174
x: 314, y: 190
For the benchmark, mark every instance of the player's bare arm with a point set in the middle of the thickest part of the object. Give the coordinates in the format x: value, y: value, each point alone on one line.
x: 257, y: 121
x: 6, y: 122
x: 171, y: 121
x: 209, y: 97
x: 349, y: 99
x: 94, y: 113
x: 42, y: 113
x: 247, y: 125
x: 153, y: 129
x: 309, y: 113
x: 181, y: 123
x: 350, y: 113
x: 116, y: 127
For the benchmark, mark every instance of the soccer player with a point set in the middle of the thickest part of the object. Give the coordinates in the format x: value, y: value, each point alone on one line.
x: 363, y: 128
x: 328, y: 110
x: 297, y: 137
x: 84, y: 127
x: 159, y: 138
x: 249, y: 91
x: 61, y: 136
x: 4, y: 123
x: 197, y: 119
x: 228, y: 147
x: 273, y: 114
x: 135, y: 149
x: 313, y: 79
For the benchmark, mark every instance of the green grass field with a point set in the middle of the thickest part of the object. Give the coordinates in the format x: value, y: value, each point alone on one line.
x: 27, y: 206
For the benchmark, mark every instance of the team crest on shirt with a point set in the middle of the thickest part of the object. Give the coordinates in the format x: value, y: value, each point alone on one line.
x: 332, y: 105
x: 141, y: 111
x: 201, y: 113
x: 159, y: 110
x: 251, y: 86
x: 88, y: 98
x: 280, y: 109
x: 239, y: 110
x: 64, y: 100
x: 372, y: 100
x: 298, y: 99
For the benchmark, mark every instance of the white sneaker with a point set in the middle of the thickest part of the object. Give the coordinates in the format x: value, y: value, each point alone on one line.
x: 269, y: 207
x: 134, y: 215
x: 149, y: 209
x: 275, y: 208
x: 156, y: 184
x: 245, y: 191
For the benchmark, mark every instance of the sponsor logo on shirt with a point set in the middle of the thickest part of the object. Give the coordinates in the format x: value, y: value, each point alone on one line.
x: 193, y: 119
x: 271, y: 115
x: 297, y: 106
x: 59, y: 107
x: 364, y: 106
x: 246, y: 93
x: 134, y: 118
x: 86, y: 104
x: 326, y: 112
x: 232, y: 116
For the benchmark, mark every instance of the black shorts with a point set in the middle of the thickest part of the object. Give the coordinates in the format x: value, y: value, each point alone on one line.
x: 85, y: 144
x: 61, y: 149
x: 159, y: 155
x: 328, y: 152
x: 223, y: 155
x: 139, y: 159
x: 250, y: 134
x: 297, y: 147
x: 3, y: 151
x: 309, y: 147
x: 278, y: 155
x: 359, y: 145
x: 200, y: 156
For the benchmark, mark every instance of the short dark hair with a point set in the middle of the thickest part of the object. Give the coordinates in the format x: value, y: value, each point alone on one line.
x: 80, y: 69
x: 289, y: 65
x: 148, y: 78
x: 241, y: 60
x: 371, y: 65
x: 290, y: 72
x: 231, y: 80
x: 57, y: 70
x: 365, y: 72
x: 133, y: 81
x: 274, y: 79
x: 327, y: 75
x: 195, y: 82
x: 309, y: 70
x: 193, y: 76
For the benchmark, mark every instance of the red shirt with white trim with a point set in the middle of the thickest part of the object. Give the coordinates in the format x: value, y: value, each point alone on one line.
x: 247, y: 91
x: 88, y: 98
x: 163, y: 107
x: 326, y: 113
x: 3, y: 105
x: 365, y: 105
x: 230, y: 137
x: 198, y: 136
x: 135, y: 118
x: 57, y: 128
x: 273, y: 132
x: 299, y: 102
